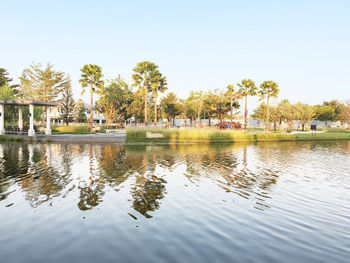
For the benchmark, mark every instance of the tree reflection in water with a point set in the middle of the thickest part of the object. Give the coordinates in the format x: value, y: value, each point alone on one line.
x: 148, y: 188
x: 147, y: 193
x: 48, y: 171
x: 91, y: 193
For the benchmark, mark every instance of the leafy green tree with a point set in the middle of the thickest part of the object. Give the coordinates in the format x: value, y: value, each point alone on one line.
x: 268, y: 89
x: 67, y: 103
x: 105, y: 105
x: 80, y: 111
x: 345, y: 113
x: 194, y: 105
x: 260, y: 112
x: 234, y: 95
x: 247, y: 88
x: 190, y: 108
x: 42, y: 84
x: 325, y: 113
x: 115, y: 99
x: 287, y: 112
x: 146, y: 77
x: 136, y: 108
x: 304, y: 113
x: 218, y: 104
x: 222, y: 104
x: 337, y: 106
x: 207, y: 105
x: 275, y: 117
x: 170, y: 106
x: 91, y: 76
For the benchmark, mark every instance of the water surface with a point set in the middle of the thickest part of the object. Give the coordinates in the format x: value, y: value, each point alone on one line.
x: 266, y: 202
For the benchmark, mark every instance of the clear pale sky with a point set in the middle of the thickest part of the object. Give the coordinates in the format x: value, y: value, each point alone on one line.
x: 199, y: 45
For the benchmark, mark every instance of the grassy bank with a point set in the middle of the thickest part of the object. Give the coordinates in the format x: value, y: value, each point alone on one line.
x: 221, y: 136
x: 70, y: 129
x: 8, y: 138
x: 75, y: 130
x: 11, y: 138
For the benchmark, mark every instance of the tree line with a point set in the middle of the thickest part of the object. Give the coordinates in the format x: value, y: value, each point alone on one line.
x: 118, y: 101
x: 287, y: 112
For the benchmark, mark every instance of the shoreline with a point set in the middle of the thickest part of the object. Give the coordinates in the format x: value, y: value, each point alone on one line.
x: 73, y: 138
x: 123, y: 139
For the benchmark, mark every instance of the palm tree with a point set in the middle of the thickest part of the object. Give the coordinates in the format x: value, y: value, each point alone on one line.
x: 234, y: 95
x: 268, y: 89
x: 159, y: 86
x: 247, y: 88
x: 146, y: 76
x: 91, y: 75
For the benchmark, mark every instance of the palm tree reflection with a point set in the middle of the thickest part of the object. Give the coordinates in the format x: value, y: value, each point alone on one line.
x: 91, y: 194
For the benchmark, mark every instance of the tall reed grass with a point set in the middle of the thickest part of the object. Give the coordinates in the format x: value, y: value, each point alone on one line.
x: 203, y: 135
x: 217, y: 136
x: 70, y: 129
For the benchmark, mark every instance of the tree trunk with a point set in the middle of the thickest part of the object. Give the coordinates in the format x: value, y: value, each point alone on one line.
x: 245, y: 114
x: 267, y: 127
x: 146, y: 103
x: 91, y: 107
x: 155, y: 110
x: 291, y: 125
x: 120, y: 121
x: 303, y: 126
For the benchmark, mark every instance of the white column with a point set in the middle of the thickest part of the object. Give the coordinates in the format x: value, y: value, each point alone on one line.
x: 1, y: 151
x: 48, y: 121
x: 20, y: 118
x: 30, y: 156
x: 2, y: 120
x: 31, y: 131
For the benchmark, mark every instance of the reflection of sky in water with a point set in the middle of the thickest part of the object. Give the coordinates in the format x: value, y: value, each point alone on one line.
x: 292, y: 196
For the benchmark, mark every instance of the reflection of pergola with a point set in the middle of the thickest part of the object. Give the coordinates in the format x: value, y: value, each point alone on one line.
x: 31, y: 104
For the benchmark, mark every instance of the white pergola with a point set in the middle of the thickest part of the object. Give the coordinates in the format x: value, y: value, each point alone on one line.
x: 31, y: 104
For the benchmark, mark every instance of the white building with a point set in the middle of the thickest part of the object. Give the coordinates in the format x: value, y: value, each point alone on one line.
x: 56, y: 118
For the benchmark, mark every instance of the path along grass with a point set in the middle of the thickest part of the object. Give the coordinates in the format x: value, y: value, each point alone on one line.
x: 221, y: 136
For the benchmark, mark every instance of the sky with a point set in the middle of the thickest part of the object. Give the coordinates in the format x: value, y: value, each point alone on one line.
x: 304, y: 46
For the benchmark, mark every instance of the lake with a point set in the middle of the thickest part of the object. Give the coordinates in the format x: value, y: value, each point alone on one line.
x: 265, y: 202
